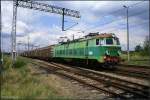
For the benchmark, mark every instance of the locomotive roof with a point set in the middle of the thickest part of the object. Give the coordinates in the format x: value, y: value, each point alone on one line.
x: 102, y: 35
x: 105, y: 35
x: 88, y: 37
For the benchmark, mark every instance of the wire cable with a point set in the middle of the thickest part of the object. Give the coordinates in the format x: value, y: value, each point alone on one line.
x: 132, y: 5
x: 122, y: 18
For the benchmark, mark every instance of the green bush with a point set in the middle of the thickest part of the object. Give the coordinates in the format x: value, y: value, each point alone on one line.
x: 19, y: 63
x: 18, y: 82
x: 7, y: 62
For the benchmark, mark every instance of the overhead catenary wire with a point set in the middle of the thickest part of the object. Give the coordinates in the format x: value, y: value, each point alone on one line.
x: 116, y: 11
x: 121, y: 18
x: 133, y: 26
x: 117, y: 20
x: 135, y: 4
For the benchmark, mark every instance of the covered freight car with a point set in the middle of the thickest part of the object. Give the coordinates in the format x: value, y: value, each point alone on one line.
x: 44, y: 53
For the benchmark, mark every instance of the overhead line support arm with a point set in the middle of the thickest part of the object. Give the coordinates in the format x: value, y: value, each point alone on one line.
x: 48, y: 8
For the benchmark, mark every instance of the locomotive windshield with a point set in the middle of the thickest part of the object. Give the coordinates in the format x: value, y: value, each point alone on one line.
x: 112, y: 41
x: 108, y: 41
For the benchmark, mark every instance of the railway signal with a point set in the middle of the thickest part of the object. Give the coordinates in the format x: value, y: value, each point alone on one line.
x: 41, y: 7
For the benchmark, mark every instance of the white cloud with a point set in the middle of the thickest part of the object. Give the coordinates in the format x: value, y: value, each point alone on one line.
x: 22, y: 27
x: 6, y: 16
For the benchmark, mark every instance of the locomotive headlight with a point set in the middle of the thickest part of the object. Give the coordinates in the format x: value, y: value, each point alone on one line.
x: 104, y: 57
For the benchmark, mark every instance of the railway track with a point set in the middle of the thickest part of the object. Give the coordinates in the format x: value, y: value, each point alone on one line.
x: 124, y: 70
x: 133, y: 70
x: 129, y: 73
x: 135, y: 66
x: 113, y: 86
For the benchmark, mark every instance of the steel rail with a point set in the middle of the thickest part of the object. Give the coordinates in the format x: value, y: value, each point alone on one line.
x: 79, y: 80
x: 132, y: 74
x: 137, y: 66
x: 99, y: 74
x: 104, y: 81
x: 113, y: 83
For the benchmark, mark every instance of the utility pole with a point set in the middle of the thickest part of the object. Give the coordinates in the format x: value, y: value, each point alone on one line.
x: 127, y: 7
x: 13, y: 32
x: 73, y: 37
x: 26, y: 47
x: 63, y: 19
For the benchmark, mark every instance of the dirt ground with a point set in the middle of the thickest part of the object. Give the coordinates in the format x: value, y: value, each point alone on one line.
x: 65, y: 87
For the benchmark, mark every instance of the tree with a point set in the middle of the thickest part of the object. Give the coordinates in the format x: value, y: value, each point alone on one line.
x: 138, y: 48
x: 146, y: 45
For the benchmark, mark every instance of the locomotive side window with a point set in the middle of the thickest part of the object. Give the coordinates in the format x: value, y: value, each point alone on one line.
x: 101, y: 41
x: 109, y: 41
x: 97, y: 41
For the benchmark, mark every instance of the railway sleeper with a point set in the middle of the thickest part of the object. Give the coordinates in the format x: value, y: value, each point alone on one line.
x: 109, y: 83
x: 95, y: 87
x: 108, y: 77
x: 130, y: 91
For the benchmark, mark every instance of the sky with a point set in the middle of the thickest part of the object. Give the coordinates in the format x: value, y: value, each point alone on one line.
x: 44, y: 28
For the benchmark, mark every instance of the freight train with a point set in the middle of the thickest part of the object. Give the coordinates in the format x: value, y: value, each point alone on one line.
x: 93, y: 48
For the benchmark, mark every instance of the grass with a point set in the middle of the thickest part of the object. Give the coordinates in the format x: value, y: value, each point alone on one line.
x: 136, y: 59
x: 19, y: 83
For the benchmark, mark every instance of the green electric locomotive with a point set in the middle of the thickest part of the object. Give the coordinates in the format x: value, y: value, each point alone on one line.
x: 102, y: 48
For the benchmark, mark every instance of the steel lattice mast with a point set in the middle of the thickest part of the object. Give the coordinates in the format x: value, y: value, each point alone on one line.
x: 41, y: 7
x: 13, y: 32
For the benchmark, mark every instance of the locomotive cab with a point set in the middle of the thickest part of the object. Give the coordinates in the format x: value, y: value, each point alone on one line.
x: 110, y: 49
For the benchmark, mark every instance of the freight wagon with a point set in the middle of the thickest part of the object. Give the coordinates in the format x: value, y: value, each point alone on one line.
x: 44, y: 53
